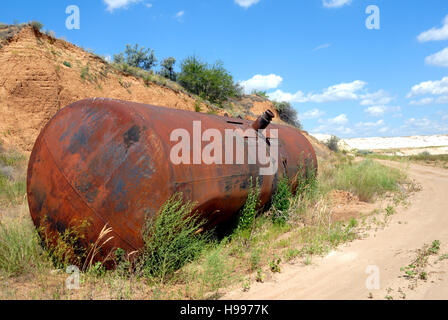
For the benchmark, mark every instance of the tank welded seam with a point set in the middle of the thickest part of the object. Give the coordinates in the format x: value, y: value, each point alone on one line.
x: 80, y: 196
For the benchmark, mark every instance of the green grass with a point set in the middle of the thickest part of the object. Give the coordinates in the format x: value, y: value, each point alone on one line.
x: 20, y: 250
x: 424, y: 157
x: 12, y: 178
x: 367, y: 179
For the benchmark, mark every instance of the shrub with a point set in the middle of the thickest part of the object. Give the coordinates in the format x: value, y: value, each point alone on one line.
x: 281, y: 201
x: 65, y: 247
x: 172, y: 238
x: 248, y: 212
x: 50, y: 34
x: 67, y: 64
x: 260, y: 93
x: 287, y: 113
x: 211, y: 82
x: 167, y: 69
x: 137, y: 57
x: 332, y: 143
x: 36, y: 25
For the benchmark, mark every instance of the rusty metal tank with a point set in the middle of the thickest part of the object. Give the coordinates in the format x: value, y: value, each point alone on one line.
x: 108, y: 162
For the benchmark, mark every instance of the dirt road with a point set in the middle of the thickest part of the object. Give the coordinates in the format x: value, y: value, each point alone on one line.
x: 344, y: 273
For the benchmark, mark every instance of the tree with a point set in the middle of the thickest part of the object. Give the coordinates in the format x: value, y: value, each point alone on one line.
x: 287, y: 113
x: 211, y: 82
x: 333, y: 143
x: 167, y: 69
x: 137, y: 57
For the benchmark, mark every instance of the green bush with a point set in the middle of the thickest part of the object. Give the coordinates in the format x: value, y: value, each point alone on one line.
x: 67, y: 64
x: 281, y: 201
x: 36, y: 25
x: 167, y: 69
x: 287, y: 113
x: 137, y: 57
x: 211, y: 82
x: 332, y: 143
x: 248, y: 212
x: 171, y: 238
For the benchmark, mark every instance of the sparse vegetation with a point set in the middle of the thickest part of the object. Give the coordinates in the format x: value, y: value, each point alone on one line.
x: 67, y: 64
x: 260, y: 93
x: 440, y: 160
x: 36, y: 25
x: 333, y: 144
x: 416, y: 269
x: 20, y: 250
x: 287, y: 113
x: 367, y: 179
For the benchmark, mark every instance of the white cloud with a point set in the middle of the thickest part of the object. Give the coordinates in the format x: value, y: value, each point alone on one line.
x: 338, y: 92
x: 340, y: 119
x: 364, y: 125
x: 435, y: 34
x: 148, y: 5
x: 439, y: 59
x: 280, y: 95
x: 119, y: 4
x: 414, y: 126
x: 381, y: 110
x: 322, y: 46
x: 376, y: 111
x: 312, y: 114
x: 442, y: 100
x: 335, y: 3
x: 246, y: 3
x: 261, y: 82
x: 421, y: 102
x: 436, y: 88
x: 180, y: 14
x: 380, y: 97
x: 419, y: 123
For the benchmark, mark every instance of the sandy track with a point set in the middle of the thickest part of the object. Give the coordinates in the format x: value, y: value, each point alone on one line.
x: 342, y: 273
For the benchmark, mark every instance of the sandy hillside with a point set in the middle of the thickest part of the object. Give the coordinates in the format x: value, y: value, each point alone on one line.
x: 39, y: 75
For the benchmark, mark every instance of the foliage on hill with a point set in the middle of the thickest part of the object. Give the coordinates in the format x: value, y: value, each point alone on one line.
x: 287, y: 113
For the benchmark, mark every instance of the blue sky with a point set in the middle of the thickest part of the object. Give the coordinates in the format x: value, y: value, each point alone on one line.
x: 342, y: 77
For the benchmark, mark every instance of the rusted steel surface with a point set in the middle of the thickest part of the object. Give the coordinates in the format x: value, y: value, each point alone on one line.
x: 108, y: 161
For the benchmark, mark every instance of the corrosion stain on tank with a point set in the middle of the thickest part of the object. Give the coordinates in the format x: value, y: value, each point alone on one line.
x: 132, y: 136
